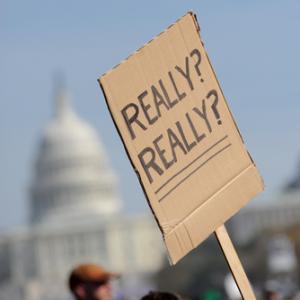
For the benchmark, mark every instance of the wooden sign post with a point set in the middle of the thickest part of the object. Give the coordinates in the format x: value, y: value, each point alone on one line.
x: 181, y: 139
x: 234, y: 263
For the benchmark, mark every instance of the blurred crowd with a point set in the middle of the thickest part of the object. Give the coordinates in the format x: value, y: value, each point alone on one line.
x: 93, y: 282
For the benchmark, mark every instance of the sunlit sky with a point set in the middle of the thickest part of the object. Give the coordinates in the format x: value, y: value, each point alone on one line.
x: 253, y: 45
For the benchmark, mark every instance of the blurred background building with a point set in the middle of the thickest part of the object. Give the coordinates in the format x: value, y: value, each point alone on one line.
x: 267, y: 237
x: 254, y: 51
x: 75, y: 217
x: 280, y: 214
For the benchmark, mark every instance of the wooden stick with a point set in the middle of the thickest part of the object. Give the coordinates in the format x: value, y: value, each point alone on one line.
x: 234, y: 263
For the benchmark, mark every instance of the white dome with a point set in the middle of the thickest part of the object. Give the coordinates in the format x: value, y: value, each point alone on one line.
x: 72, y: 179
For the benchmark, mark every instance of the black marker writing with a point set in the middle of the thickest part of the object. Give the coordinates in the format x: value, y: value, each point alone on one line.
x: 214, y: 94
x: 197, y: 53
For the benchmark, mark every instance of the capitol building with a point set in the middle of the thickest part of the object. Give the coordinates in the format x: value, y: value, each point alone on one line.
x: 75, y: 216
x: 280, y: 214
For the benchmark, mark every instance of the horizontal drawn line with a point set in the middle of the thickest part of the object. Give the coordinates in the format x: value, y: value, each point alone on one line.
x: 186, y: 177
x: 184, y: 168
x: 229, y: 182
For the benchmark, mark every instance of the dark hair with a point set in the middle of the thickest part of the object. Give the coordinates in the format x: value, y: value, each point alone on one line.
x: 160, y: 296
x: 74, y: 281
x: 268, y: 294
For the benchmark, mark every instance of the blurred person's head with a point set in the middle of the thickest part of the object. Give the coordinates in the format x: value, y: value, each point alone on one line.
x: 91, y: 282
x: 270, y: 295
x: 271, y: 290
x: 290, y: 296
x: 161, y: 296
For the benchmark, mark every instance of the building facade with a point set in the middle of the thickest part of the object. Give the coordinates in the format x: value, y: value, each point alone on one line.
x: 279, y: 214
x: 75, y: 216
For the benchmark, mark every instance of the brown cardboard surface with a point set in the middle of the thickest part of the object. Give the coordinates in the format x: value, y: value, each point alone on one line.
x: 180, y: 136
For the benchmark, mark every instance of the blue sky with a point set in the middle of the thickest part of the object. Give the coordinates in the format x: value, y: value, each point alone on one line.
x: 253, y: 45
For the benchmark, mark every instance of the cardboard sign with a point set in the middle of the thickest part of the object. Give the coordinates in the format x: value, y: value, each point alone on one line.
x: 180, y: 136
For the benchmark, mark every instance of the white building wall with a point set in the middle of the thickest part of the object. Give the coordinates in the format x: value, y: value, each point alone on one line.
x: 257, y: 218
x: 76, y: 218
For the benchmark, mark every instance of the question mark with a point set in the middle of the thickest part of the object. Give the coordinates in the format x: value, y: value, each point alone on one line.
x: 214, y: 105
x: 197, y: 53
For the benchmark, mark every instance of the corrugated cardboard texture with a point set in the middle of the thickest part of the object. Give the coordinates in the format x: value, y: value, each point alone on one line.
x: 180, y: 136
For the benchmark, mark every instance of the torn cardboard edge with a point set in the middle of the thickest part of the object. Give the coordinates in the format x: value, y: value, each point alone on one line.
x: 110, y: 110
x: 196, y: 24
x: 231, y: 197
x: 179, y: 238
x: 130, y: 159
x: 150, y: 41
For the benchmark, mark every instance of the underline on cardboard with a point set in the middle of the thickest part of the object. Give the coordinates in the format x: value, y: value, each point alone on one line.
x: 195, y: 170
x: 188, y: 165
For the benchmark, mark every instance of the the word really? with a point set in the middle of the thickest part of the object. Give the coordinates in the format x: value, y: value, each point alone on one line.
x: 156, y: 100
